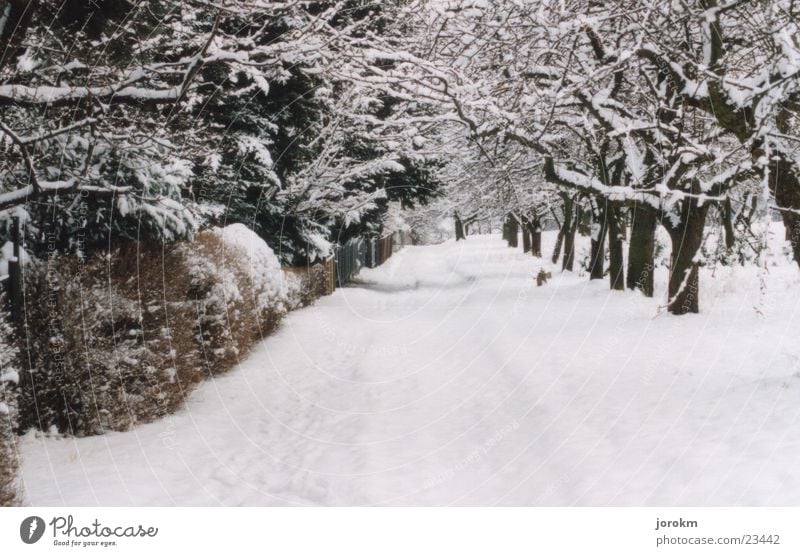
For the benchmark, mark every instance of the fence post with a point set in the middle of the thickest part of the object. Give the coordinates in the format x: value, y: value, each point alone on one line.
x: 330, y: 265
x: 15, y: 272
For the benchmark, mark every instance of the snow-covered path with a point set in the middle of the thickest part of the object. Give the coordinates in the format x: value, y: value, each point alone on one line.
x: 447, y: 377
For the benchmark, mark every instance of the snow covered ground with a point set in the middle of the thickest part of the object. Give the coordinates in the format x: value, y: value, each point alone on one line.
x: 447, y: 378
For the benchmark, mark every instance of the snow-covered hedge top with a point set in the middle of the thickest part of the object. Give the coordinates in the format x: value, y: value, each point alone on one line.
x: 264, y: 268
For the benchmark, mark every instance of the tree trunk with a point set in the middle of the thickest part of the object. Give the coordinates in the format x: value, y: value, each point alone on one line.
x: 570, y: 227
x: 526, y: 236
x: 565, y: 232
x: 459, y: 228
x: 785, y: 187
x: 513, y: 231
x: 616, y: 236
x: 536, y: 238
x: 598, y: 233
x: 569, y: 248
x: 684, y: 277
x: 727, y: 222
x: 559, y: 243
x: 641, y: 250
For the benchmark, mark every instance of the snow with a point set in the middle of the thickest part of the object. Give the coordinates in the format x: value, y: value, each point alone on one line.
x: 44, y: 94
x: 263, y: 266
x: 7, y: 254
x: 447, y: 377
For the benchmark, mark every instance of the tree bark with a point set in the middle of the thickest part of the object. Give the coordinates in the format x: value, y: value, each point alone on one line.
x: 536, y: 237
x: 684, y: 277
x: 569, y: 248
x: 785, y: 187
x: 616, y: 236
x: 570, y: 227
x: 459, y: 228
x: 564, y: 231
x: 513, y: 231
x: 641, y: 250
x: 526, y: 236
x: 727, y: 222
x: 598, y: 249
x: 559, y: 244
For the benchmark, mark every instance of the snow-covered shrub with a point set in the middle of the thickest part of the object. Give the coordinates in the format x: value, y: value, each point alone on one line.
x: 9, y: 377
x: 122, y: 338
x: 110, y: 339
x: 239, y: 291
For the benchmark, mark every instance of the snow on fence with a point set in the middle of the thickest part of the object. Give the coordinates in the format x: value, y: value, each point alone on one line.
x: 11, y: 272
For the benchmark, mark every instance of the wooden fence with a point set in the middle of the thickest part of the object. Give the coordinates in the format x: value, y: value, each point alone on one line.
x: 360, y: 252
x: 350, y: 258
x: 317, y: 283
x: 385, y: 248
x: 378, y: 251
